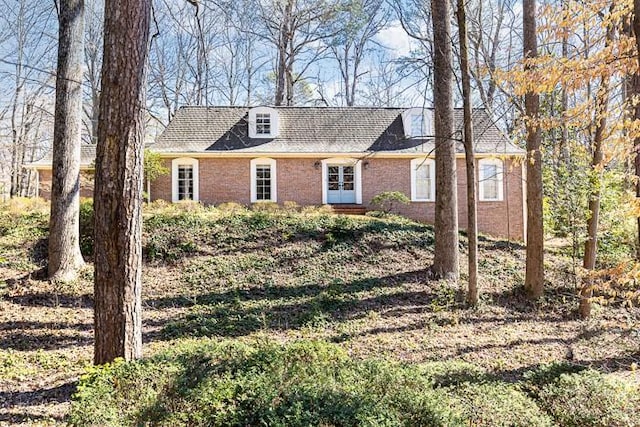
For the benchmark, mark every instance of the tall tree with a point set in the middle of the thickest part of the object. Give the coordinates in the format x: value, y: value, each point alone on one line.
x: 597, y: 159
x: 94, y: 22
x: 445, y: 263
x: 472, y: 223
x: 296, y: 28
x: 64, y: 224
x: 534, y: 277
x: 118, y: 187
x: 362, y: 21
x: 27, y: 82
x: 636, y: 109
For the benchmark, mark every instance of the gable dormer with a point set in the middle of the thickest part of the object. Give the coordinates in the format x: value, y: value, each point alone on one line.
x: 264, y: 122
x: 418, y: 122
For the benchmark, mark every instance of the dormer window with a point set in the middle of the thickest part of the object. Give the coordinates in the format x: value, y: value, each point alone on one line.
x: 418, y: 122
x: 263, y: 122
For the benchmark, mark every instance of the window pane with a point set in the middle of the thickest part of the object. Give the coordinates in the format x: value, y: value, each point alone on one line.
x: 490, y: 189
x: 416, y: 125
x: 423, y: 182
x: 185, y: 182
x: 263, y: 182
x: 263, y: 123
x: 489, y: 171
x: 422, y: 190
x: 491, y: 180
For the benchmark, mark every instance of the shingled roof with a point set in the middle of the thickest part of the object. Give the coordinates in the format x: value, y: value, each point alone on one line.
x: 87, y: 158
x: 314, y: 130
x: 306, y: 130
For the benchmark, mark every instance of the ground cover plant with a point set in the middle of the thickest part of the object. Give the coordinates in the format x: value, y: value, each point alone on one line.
x: 350, y: 292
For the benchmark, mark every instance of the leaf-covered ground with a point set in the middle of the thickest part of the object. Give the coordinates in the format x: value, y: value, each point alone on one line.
x: 359, y: 282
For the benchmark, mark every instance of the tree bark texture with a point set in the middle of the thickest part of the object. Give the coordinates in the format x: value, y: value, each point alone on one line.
x: 118, y: 186
x: 591, y: 244
x: 283, y: 52
x: 64, y: 225
x: 445, y: 263
x: 534, y: 277
x: 636, y: 110
x: 470, y: 161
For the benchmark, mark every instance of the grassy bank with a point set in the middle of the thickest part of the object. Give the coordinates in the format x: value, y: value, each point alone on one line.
x: 241, y: 278
x: 207, y: 383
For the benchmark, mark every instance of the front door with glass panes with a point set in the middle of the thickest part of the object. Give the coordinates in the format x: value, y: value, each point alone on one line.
x: 341, y: 184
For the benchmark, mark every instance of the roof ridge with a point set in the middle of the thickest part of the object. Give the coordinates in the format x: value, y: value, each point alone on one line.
x: 318, y: 107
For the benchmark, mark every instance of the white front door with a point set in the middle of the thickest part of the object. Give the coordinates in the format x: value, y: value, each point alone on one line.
x: 341, y: 184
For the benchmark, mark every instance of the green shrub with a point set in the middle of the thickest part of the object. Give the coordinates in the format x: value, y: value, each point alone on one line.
x: 493, y: 403
x: 317, y: 210
x: 388, y: 200
x: 231, y: 208
x: 447, y: 374
x: 168, y: 237
x: 304, y: 383
x: 590, y: 398
x: 86, y: 227
x: 537, y: 379
x: 265, y: 207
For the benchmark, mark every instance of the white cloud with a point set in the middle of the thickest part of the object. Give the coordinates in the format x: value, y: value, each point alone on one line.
x: 395, y: 39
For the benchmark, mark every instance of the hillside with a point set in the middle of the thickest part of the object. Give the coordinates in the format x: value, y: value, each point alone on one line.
x: 249, y: 277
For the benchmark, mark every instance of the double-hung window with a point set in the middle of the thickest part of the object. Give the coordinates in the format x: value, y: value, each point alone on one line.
x: 185, y: 182
x: 422, y: 180
x: 184, y: 177
x: 491, y: 180
x: 263, y: 180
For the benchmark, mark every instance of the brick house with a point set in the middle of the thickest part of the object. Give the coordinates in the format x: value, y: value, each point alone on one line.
x: 337, y: 156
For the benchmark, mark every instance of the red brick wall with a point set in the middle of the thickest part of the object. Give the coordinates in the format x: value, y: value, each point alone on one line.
x: 503, y: 218
x: 44, y: 184
x: 225, y: 180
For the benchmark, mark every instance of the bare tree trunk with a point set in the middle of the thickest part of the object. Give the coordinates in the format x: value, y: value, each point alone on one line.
x: 289, y: 77
x: 118, y: 187
x: 284, y: 41
x: 445, y: 263
x: 16, y: 145
x: 564, y: 140
x: 472, y: 223
x: 534, y: 278
x: 636, y: 115
x: 591, y: 244
x: 65, y: 258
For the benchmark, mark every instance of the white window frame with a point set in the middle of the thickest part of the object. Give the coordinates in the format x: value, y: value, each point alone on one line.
x: 499, y: 176
x: 427, y: 122
x: 415, y: 163
x: 185, y: 161
x: 264, y: 161
x: 274, y: 122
